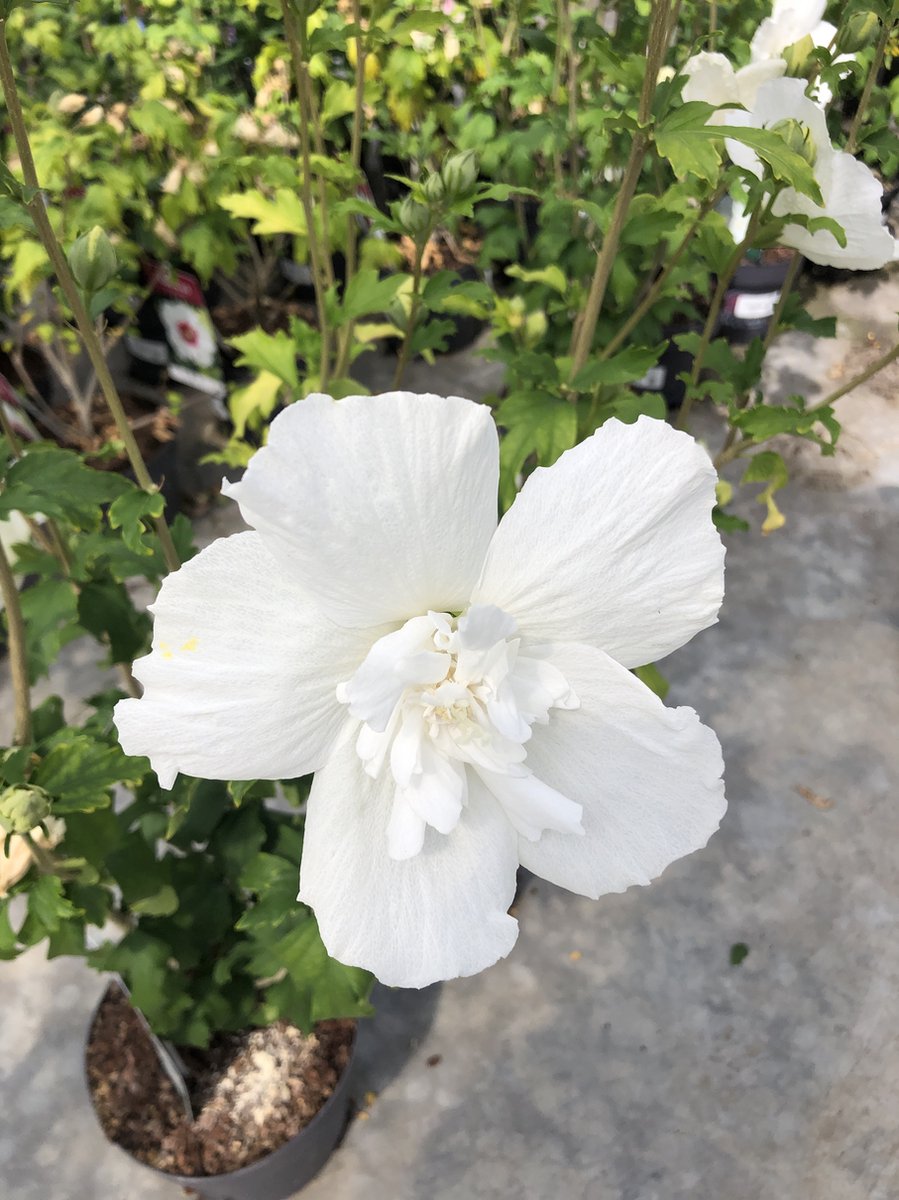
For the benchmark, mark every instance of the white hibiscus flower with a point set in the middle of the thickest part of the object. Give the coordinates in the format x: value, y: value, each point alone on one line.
x: 852, y: 193
x: 189, y: 333
x: 712, y: 78
x: 790, y: 22
x: 461, y: 689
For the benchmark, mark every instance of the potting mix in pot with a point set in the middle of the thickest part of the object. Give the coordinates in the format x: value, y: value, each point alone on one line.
x: 322, y: 755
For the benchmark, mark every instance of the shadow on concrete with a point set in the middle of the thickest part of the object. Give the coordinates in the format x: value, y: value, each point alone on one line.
x: 403, y: 1017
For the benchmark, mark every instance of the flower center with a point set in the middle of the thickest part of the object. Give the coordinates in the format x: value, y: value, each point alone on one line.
x: 445, y: 696
x: 188, y: 333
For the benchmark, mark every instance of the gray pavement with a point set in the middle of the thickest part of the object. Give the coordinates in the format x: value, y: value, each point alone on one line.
x: 617, y: 1054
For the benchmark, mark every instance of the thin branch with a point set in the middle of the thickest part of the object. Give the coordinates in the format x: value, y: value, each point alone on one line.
x: 18, y: 652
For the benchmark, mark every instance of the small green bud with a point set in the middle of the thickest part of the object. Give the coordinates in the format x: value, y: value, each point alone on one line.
x: 93, y: 260
x: 414, y: 217
x: 860, y: 30
x: 434, y: 189
x: 798, y: 137
x: 460, y: 173
x: 23, y: 807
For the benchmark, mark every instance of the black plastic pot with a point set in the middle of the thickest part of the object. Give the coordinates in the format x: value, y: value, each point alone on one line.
x: 280, y: 1174
x: 751, y: 299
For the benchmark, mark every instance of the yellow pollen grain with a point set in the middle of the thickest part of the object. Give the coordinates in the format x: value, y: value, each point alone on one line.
x: 166, y: 650
x: 190, y: 644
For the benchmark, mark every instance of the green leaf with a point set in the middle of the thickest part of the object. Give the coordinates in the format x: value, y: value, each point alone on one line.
x: 366, y: 294
x: 689, y: 143
x: 144, y: 879
x: 738, y: 953
x: 236, y: 839
x: 55, y: 482
x: 282, y: 214
x: 627, y: 406
x: 131, y: 513
x: 252, y: 405
x: 275, y: 353
x: 240, y: 789
x: 8, y: 939
x: 50, y: 611
x: 92, y: 836
x: 728, y: 523
x: 535, y: 423
x: 106, y: 610
x: 630, y: 364
x: 764, y: 421
x: 79, y: 772
x: 67, y: 941
x: 768, y: 466
x: 653, y: 678
x: 500, y: 191
x: 47, y: 907
x: 786, y: 165
x: 47, y: 718
x: 551, y: 276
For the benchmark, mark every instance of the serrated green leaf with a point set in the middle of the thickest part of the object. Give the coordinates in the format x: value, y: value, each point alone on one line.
x: 367, y: 295
x: 252, y: 405
x: 689, y: 143
x: 131, y: 512
x: 55, y: 482
x: 281, y: 214
x: 630, y: 364
x: 48, y: 907
x: 786, y: 165
x: 79, y: 771
x: 551, y: 276
x: 272, y: 352
x: 535, y: 423
x: 106, y: 610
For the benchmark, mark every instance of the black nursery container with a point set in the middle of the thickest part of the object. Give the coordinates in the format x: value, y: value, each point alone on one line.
x: 750, y: 300
x: 284, y: 1171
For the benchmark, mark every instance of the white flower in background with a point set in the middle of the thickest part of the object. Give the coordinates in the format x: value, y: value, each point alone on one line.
x: 712, y: 78
x: 790, y: 22
x: 461, y: 689
x: 852, y: 193
x: 188, y: 332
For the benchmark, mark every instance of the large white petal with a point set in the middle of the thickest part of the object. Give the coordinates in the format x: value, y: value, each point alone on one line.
x: 853, y: 198
x: 382, y: 506
x: 242, y: 677
x: 710, y: 77
x: 751, y: 77
x: 438, y: 915
x: 613, y: 545
x: 647, y: 777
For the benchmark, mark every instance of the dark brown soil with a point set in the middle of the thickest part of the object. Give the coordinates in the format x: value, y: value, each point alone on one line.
x: 270, y: 315
x: 444, y: 252
x: 152, y: 427
x: 251, y: 1091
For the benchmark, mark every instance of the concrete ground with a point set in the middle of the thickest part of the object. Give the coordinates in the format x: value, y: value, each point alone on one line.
x: 618, y: 1054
